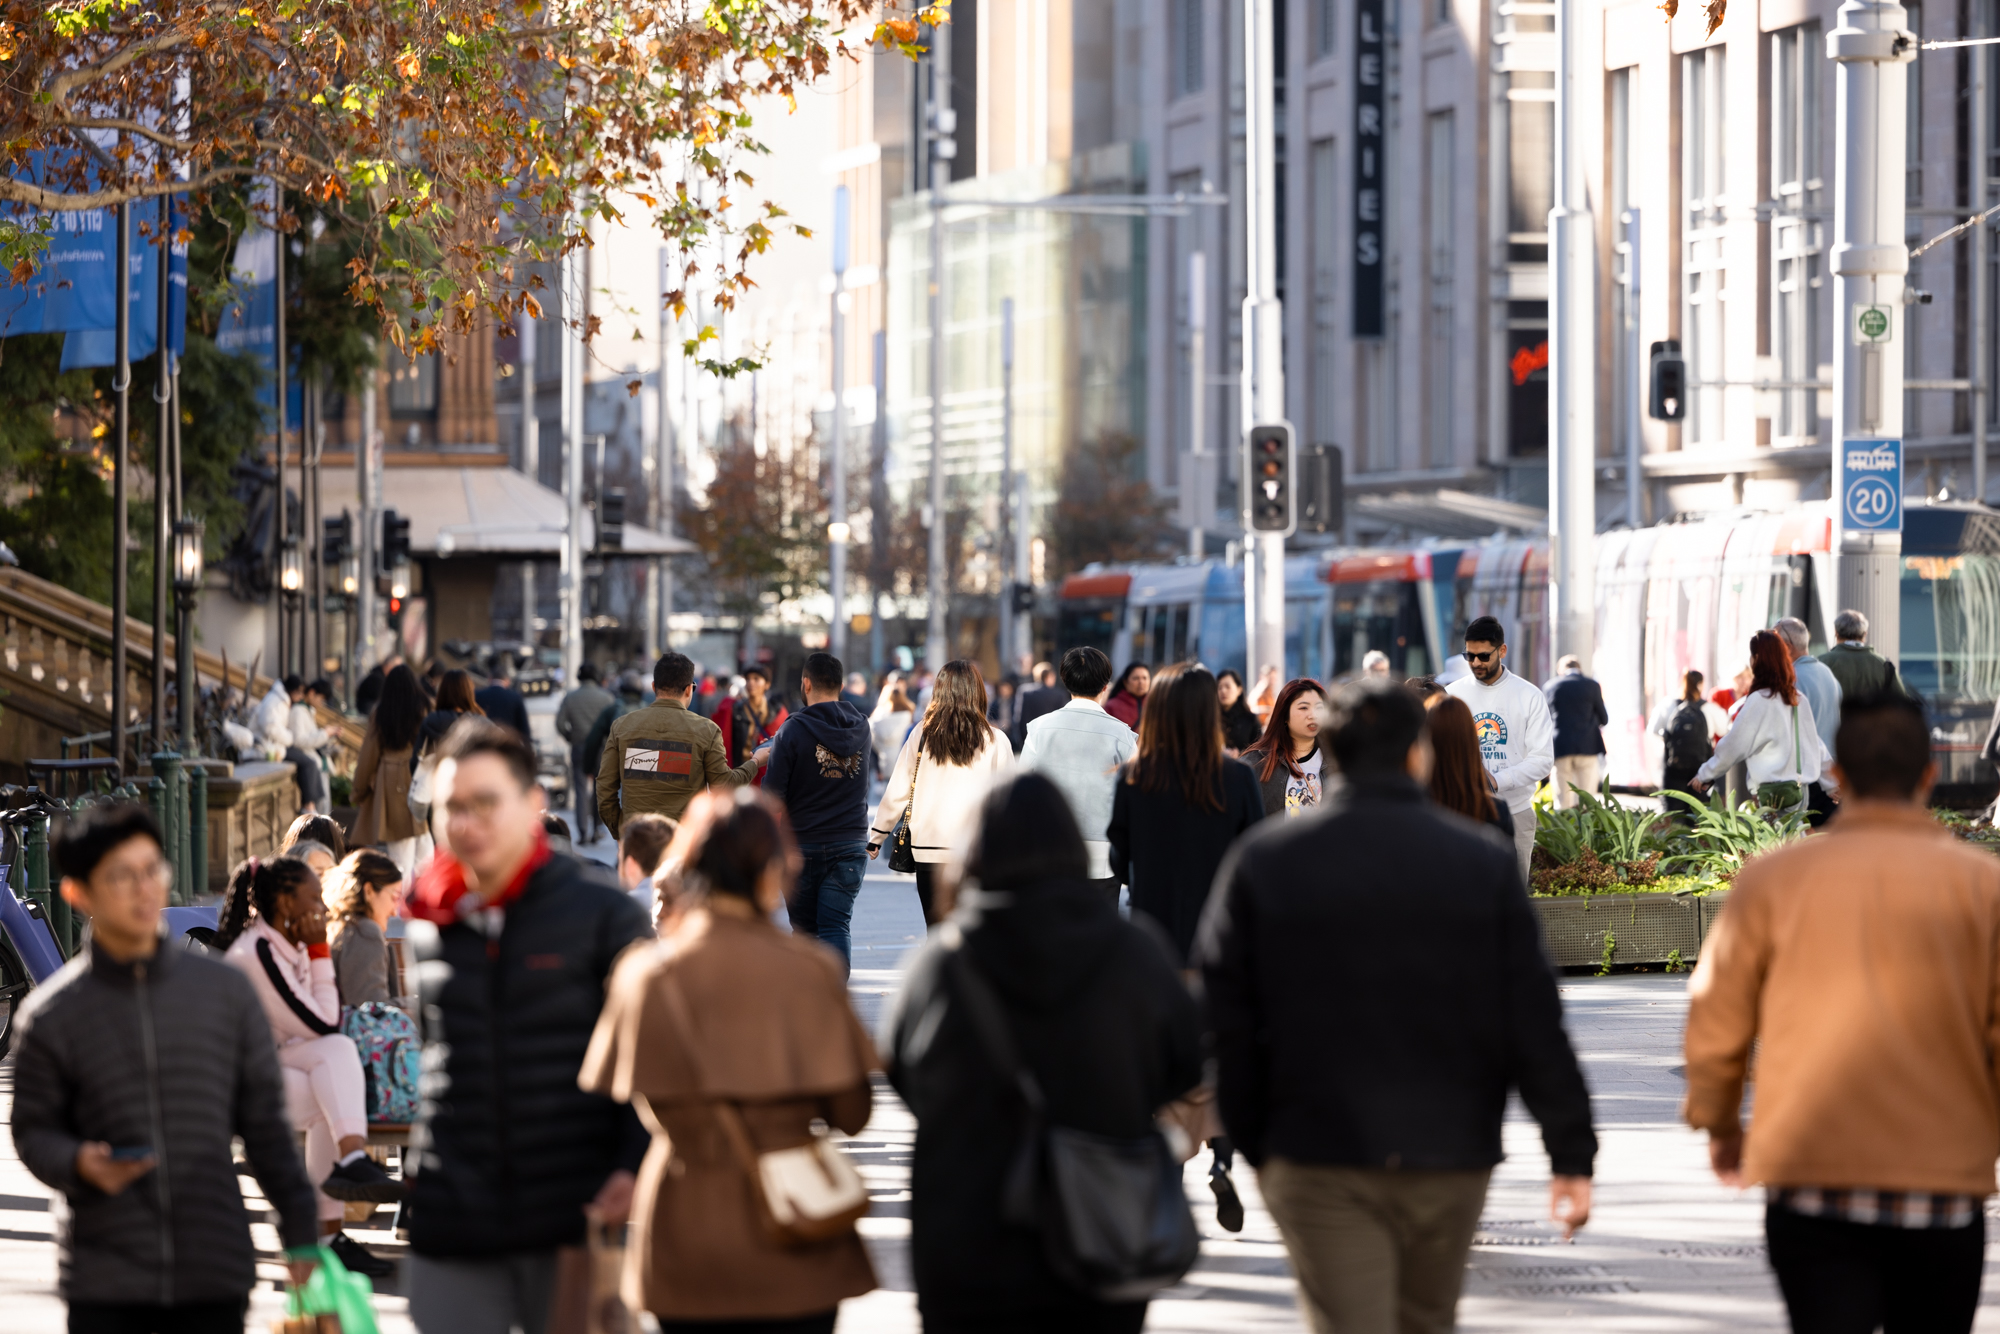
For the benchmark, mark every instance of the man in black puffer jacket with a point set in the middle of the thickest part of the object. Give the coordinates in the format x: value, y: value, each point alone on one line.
x: 139, y: 1062
x: 516, y: 942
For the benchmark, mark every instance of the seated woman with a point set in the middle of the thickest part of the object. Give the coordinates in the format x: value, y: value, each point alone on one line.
x: 274, y: 929
x: 362, y: 894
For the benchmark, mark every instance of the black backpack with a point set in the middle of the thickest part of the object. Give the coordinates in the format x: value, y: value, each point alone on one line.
x: 1688, y: 746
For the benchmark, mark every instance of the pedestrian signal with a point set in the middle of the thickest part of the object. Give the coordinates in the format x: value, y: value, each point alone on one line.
x: 1269, y: 470
x: 1668, y: 401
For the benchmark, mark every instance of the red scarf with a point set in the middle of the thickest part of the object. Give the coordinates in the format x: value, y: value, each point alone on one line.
x: 442, y: 885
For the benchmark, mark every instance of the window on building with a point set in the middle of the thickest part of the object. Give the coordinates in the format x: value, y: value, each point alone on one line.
x: 1325, y: 270
x: 1323, y: 33
x: 1622, y: 82
x: 1797, y: 232
x: 1913, y: 120
x: 1189, y: 45
x: 1530, y: 195
x: 1705, y: 230
x: 413, y: 384
x: 1441, y: 367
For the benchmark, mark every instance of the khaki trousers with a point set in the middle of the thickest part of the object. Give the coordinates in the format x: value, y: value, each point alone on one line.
x: 1525, y: 824
x: 1375, y: 1251
x: 1580, y: 770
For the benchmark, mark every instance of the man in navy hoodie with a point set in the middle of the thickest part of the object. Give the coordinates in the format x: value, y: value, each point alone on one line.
x: 819, y: 769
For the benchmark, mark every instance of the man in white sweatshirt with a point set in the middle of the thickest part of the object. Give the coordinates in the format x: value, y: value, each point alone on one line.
x: 1516, y: 737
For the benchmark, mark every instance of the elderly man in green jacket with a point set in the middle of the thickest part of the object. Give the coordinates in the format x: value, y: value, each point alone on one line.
x: 1861, y: 671
x: 657, y: 758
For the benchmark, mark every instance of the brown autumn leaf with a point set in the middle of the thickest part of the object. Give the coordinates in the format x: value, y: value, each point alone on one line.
x: 1715, y: 9
x: 1671, y: 8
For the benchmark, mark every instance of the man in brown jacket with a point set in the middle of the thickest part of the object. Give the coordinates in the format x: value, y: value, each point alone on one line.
x: 1864, y: 964
x: 657, y: 758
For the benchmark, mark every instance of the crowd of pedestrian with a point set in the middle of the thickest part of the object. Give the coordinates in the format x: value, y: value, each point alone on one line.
x: 1147, y: 890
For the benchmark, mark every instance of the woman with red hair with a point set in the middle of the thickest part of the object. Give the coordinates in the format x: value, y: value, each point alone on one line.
x: 1287, y: 757
x: 1774, y: 734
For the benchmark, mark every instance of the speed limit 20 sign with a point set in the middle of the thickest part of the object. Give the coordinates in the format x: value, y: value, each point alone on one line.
x: 1871, y: 487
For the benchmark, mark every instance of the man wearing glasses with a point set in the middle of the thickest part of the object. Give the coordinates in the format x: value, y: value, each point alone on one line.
x: 516, y: 941
x: 1517, y: 740
x: 139, y: 1063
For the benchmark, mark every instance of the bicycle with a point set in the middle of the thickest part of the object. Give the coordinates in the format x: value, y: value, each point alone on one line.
x: 29, y: 954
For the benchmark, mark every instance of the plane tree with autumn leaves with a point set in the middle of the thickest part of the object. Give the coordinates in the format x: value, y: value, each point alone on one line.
x: 458, y: 140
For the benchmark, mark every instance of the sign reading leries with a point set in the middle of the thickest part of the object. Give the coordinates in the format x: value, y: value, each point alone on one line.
x: 1368, y: 79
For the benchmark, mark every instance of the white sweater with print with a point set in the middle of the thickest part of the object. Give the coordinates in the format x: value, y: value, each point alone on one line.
x: 1517, y: 738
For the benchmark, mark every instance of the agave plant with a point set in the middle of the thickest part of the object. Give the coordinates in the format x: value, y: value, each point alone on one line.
x: 1718, y: 840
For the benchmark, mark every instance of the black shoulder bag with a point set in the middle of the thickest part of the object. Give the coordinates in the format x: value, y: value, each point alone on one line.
x: 1114, y: 1220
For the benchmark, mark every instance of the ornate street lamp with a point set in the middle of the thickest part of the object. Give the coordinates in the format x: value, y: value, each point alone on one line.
x: 291, y: 580
x: 188, y: 535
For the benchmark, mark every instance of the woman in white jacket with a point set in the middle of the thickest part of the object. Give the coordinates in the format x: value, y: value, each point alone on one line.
x: 1773, y: 735
x: 944, y: 772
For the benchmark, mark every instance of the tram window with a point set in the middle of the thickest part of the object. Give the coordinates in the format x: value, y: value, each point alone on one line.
x: 1180, y: 644
x: 1951, y: 627
x: 1086, y: 627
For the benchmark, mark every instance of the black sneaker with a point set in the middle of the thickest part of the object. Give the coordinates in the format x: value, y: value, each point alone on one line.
x: 358, y: 1258
x: 1228, y: 1204
x: 362, y: 1179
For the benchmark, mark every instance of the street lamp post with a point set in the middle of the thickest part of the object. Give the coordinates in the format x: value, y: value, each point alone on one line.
x: 350, y: 597
x: 1871, y: 51
x: 291, y: 581
x: 188, y: 534
x: 943, y: 148
x: 1572, y: 365
x: 837, y: 529
x: 1263, y: 332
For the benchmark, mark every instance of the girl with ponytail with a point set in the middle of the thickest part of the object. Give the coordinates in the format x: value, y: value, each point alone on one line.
x: 273, y: 928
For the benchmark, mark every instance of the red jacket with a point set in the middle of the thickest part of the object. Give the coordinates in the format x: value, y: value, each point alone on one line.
x: 737, y: 747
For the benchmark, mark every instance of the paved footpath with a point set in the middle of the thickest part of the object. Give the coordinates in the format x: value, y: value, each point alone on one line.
x: 1667, y: 1250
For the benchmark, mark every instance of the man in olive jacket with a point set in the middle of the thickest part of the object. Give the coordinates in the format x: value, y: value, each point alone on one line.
x: 657, y: 758
x: 139, y: 1062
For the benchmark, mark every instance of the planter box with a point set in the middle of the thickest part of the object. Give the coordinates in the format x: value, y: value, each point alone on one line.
x: 1645, y: 928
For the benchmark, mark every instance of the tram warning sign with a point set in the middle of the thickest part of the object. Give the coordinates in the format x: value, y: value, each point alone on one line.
x: 1871, y: 486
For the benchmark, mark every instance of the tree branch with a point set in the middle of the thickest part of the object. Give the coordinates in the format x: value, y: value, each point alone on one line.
x: 60, y: 87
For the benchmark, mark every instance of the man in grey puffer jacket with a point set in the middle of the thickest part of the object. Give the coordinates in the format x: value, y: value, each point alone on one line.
x: 139, y: 1061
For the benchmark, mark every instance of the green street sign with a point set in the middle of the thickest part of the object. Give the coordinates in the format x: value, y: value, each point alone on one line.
x: 1871, y: 324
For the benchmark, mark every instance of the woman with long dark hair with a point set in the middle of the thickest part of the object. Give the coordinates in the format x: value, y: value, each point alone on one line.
x: 273, y: 928
x: 1288, y: 758
x: 945, y: 769
x: 1240, y: 728
x: 1688, y: 726
x: 1127, y: 702
x: 382, y: 773
x: 455, y: 700
x: 732, y: 1038
x: 1098, y: 1014
x: 1459, y: 781
x: 1179, y: 803
x: 1773, y: 735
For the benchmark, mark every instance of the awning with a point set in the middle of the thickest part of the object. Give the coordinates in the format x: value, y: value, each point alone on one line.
x: 1450, y: 513
x: 482, y: 511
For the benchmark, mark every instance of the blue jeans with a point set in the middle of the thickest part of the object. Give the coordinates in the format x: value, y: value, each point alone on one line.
x: 823, y: 902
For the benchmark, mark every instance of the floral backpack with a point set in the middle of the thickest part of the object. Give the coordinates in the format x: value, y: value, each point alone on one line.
x: 391, y: 1059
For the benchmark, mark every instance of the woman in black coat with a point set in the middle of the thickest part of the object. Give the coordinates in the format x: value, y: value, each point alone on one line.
x: 1179, y: 804
x: 1240, y: 728
x: 1101, y: 1018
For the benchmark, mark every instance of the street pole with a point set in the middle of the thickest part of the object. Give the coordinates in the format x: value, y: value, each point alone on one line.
x: 283, y: 519
x: 309, y: 478
x: 121, y: 467
x: 878, y: 501
x: 942, y: 149
x: 572, y: 406
x: 531, y: 460
x: 660, y: 496
x: 1977, y: 150
x: 366, y: 459
x: 1635, y: 378
x: 1197, y: 498
x: 1572, y: 367
x: 1013, y: 539
x: 163, y: 616
x: 1871, y: 50
x: 837, y: 530
x: 1263, y: 330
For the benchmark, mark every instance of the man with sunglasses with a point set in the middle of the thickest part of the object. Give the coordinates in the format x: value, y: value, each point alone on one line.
x: 1517, y: 739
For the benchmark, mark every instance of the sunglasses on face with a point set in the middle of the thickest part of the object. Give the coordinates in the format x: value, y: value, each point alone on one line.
x: 1487, y: 656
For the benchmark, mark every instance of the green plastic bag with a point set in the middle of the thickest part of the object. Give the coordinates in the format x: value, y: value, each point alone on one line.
x: 332, y: 1290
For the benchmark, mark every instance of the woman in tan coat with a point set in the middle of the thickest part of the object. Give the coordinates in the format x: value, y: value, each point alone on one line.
x: 726, y: 1016
x: 382, y: 773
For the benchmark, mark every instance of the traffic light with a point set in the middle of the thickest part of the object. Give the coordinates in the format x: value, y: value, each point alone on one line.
x: 395, y: 539
x: 1322, y: 489
x: 1668, y: 400
x: 337, y: 539
x: 1270, y: 469
x: 1024, y: 598
x: 611, y: 519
